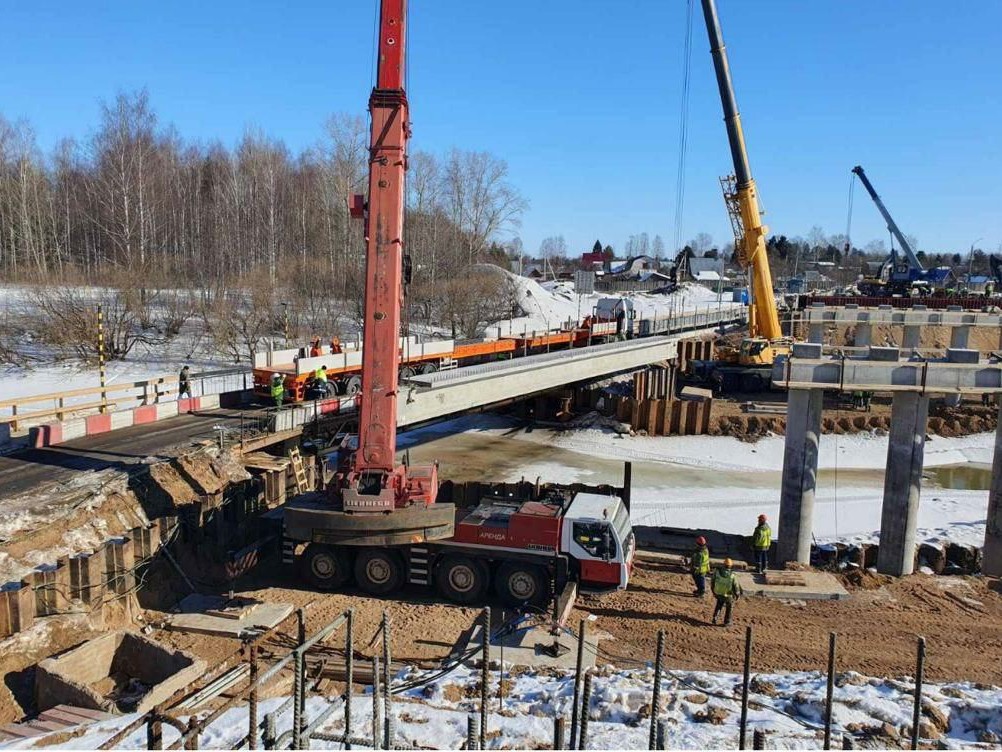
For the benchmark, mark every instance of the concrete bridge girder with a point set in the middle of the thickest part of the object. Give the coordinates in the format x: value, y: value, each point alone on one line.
x: 436, y: 395
x: 929, y: 377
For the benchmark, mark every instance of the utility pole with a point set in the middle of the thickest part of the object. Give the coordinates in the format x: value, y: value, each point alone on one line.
x: 100, y: 357
x: 970, y: 261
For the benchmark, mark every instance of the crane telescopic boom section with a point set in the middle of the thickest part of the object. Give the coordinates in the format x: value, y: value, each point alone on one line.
x: 384, y: 247
x: 375, y: 482
x: 742, y: 201
x: 892, y: 226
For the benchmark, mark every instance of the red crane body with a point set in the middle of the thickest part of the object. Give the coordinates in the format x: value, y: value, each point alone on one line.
x: 375, y: 483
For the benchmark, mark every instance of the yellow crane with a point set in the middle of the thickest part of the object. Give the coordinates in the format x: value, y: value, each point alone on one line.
x: 748, y: 367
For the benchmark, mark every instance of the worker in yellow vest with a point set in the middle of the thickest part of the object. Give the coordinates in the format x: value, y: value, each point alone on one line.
x: 761, y: 541
x: 699, y: 566
x: 320, y: 376
x: 725, y: 589
x: 277, y: 389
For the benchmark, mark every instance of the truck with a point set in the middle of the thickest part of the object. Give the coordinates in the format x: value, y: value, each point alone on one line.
x: 381, y: 522
x: 525, y: 550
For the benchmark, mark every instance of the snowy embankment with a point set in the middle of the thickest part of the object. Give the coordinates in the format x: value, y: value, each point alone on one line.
x: 701, y: 711
x: 549, y: 305
x: 50, y: 370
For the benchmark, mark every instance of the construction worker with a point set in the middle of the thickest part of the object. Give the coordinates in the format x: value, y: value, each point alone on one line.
x: 699, y: 566
x: 761, y: 541
x: 315, y: 347
x: 726, y: 590
x: 184, y: 383
x: 277, y: 389
x: 320, y: 376
x: 336, y: 345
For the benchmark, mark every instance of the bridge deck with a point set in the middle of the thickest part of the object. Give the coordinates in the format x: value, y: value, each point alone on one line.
x: 24, y: 471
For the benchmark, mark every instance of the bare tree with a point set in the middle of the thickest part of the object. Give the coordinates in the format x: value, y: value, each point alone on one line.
x: 701, y: 243
x: 479, y: 198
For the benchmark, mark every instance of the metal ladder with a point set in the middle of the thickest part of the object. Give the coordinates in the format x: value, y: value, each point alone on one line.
x: 299, y: 469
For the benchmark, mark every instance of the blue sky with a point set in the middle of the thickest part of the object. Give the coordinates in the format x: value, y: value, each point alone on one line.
x: 581, y: 97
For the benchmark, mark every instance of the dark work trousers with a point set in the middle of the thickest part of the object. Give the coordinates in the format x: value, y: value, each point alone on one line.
x: 699, y: 580
x: 723, y: 603
x: 762, y: 559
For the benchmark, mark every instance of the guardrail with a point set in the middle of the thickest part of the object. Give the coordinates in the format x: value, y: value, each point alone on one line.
x: 57, y: 405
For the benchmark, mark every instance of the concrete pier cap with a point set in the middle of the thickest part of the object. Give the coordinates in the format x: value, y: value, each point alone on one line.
x: 807, y: 374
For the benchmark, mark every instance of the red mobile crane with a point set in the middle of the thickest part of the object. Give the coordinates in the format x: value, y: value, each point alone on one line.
x: 374, y: 501
x: 379, y: 520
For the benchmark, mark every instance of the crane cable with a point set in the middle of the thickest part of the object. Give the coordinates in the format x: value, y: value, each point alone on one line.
x: 683, y: 142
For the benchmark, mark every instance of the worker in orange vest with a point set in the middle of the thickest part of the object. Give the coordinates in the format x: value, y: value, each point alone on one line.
x: 335, y: 345
x: 315, y: 347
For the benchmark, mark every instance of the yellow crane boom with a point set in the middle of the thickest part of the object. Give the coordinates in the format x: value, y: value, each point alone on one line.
x: 741, y: 196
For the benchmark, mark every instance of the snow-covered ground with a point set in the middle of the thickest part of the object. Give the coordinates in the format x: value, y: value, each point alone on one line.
x: 548, y: 305
x: 742, y: 480
x: 863, y: 451
x: 701, y: 711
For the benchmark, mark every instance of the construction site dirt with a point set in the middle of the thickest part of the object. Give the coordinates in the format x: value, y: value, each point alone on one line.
x: 960, y: 617
x: 729, y: 417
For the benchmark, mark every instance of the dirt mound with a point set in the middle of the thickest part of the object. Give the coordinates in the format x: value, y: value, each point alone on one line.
x: 966, y: 419
x: 863, y: 579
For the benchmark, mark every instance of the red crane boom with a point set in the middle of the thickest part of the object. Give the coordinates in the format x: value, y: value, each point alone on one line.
x: 375, y: 483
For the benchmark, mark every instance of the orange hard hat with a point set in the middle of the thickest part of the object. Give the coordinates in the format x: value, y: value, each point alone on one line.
x: 701, y: 541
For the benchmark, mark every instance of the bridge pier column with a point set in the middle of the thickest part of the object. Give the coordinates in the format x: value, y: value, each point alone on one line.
x: 959, y: 338
x: 800, y: 472
x: 864, y: 335
x: 902, y: 484
x: 992, y: 562
x: 911, y: 338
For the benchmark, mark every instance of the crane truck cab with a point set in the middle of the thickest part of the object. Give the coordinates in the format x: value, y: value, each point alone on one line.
x: 598, y: 535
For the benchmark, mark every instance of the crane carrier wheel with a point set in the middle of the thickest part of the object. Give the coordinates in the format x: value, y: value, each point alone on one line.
x: 325, y: 567
x: 517, y: 584
x: 462, y: 579
x: 379, y: 571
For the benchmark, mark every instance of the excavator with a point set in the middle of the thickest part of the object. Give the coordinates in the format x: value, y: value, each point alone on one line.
x: 747, y: 368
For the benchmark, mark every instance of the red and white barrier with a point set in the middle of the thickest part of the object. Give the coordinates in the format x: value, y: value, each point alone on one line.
x: 51, y: 434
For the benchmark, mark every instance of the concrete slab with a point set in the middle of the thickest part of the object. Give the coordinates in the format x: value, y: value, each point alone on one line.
x: 530, y: 647
x: 793, y: 585
x: 217, y: 615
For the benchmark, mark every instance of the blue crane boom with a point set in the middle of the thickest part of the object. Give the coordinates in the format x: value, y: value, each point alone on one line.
x: 913, y: 261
